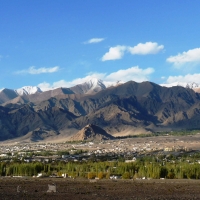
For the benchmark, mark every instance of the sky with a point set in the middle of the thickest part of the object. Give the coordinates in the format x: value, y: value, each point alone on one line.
x: 61, y: 43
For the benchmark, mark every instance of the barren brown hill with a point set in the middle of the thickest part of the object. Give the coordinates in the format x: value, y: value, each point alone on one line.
x: 91, y: 132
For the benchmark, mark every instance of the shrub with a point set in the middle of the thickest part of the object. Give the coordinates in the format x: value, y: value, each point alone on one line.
x: 101, y: 175
x: 91, y: 175
x: 126, y: 175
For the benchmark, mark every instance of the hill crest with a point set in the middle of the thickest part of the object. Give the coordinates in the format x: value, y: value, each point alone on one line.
x: 91, y: 132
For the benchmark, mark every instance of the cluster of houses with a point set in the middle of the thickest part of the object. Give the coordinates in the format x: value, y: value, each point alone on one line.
x: 129, y: 149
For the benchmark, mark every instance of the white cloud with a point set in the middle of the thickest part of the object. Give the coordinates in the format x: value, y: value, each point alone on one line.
x: 117, y: 52
x: 94, y: 40
x: 134, y: 73
x: 33, y: 70
x: 182, y: 80
x: 114, y: 53
x: 45, y: 86
x: 190, y: 56
x: 146, y: 48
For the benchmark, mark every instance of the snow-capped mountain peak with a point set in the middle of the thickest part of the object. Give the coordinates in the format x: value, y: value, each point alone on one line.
x: 27, y: 90
x: 190, y: 85
x: 93, y: 85
x: 94, y: 82
x: 2, y: 89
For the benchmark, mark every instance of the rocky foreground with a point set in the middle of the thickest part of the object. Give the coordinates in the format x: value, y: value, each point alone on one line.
x: 32, y: 188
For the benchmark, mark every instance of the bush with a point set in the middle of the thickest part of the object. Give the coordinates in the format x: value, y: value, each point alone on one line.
x: 91, y: 175
x: 108, y: 175
x: 126, y: 175
x: 171, y: 175
x: 101, y: 175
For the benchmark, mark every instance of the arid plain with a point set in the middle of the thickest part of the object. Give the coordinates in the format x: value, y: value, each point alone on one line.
x: 31, y: 188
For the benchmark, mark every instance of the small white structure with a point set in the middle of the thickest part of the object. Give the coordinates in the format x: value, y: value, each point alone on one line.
x: 64, y: 175
x: 39, y: 175
x: 65, y: 156
x: 114, y: 177
x: 168, y: 149
x: 133, y: 160
x: 51, y: 188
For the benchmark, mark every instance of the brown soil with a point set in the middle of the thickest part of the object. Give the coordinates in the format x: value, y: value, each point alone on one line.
x: 102, y: 189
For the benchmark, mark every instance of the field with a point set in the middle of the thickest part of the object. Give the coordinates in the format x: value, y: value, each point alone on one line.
x: 32, y: 188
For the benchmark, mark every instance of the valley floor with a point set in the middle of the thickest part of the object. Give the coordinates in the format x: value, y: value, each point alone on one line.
x: 32, y: 188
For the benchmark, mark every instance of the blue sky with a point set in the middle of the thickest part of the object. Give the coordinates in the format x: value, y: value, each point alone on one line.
x: 61, y: 43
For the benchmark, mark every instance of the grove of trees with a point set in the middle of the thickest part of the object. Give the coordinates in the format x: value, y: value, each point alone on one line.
x: 148, y: 167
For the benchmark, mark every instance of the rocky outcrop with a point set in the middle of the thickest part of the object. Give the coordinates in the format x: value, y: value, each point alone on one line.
x: 91, y: 132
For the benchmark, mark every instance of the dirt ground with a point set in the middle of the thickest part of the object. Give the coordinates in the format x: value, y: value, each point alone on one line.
x: 82, y: 189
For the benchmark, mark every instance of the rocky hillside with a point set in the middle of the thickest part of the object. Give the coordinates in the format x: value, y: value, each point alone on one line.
x: 91, y: 132
x: 127, y: 109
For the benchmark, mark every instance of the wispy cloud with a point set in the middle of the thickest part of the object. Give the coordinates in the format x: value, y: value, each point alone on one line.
x: 42, y: 70
x: 190, y: 56
x: 133, y: 73
x: 118, y: 51
x: 94, y: 40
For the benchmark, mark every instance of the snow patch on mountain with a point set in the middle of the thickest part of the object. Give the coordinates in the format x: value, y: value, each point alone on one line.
x: 96, y: 85
x: 27, y: 90
x: 173, y: 84
x: 112, y: 84
x: 2, y: 89
x: 190, y: 85
x: 92, y: 85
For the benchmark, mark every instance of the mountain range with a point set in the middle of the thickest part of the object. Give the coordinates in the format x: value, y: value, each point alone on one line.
x: 120, y: 109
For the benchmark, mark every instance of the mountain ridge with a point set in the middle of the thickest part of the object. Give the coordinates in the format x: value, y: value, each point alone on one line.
x: 127, y: 109
x: 90, y: 86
